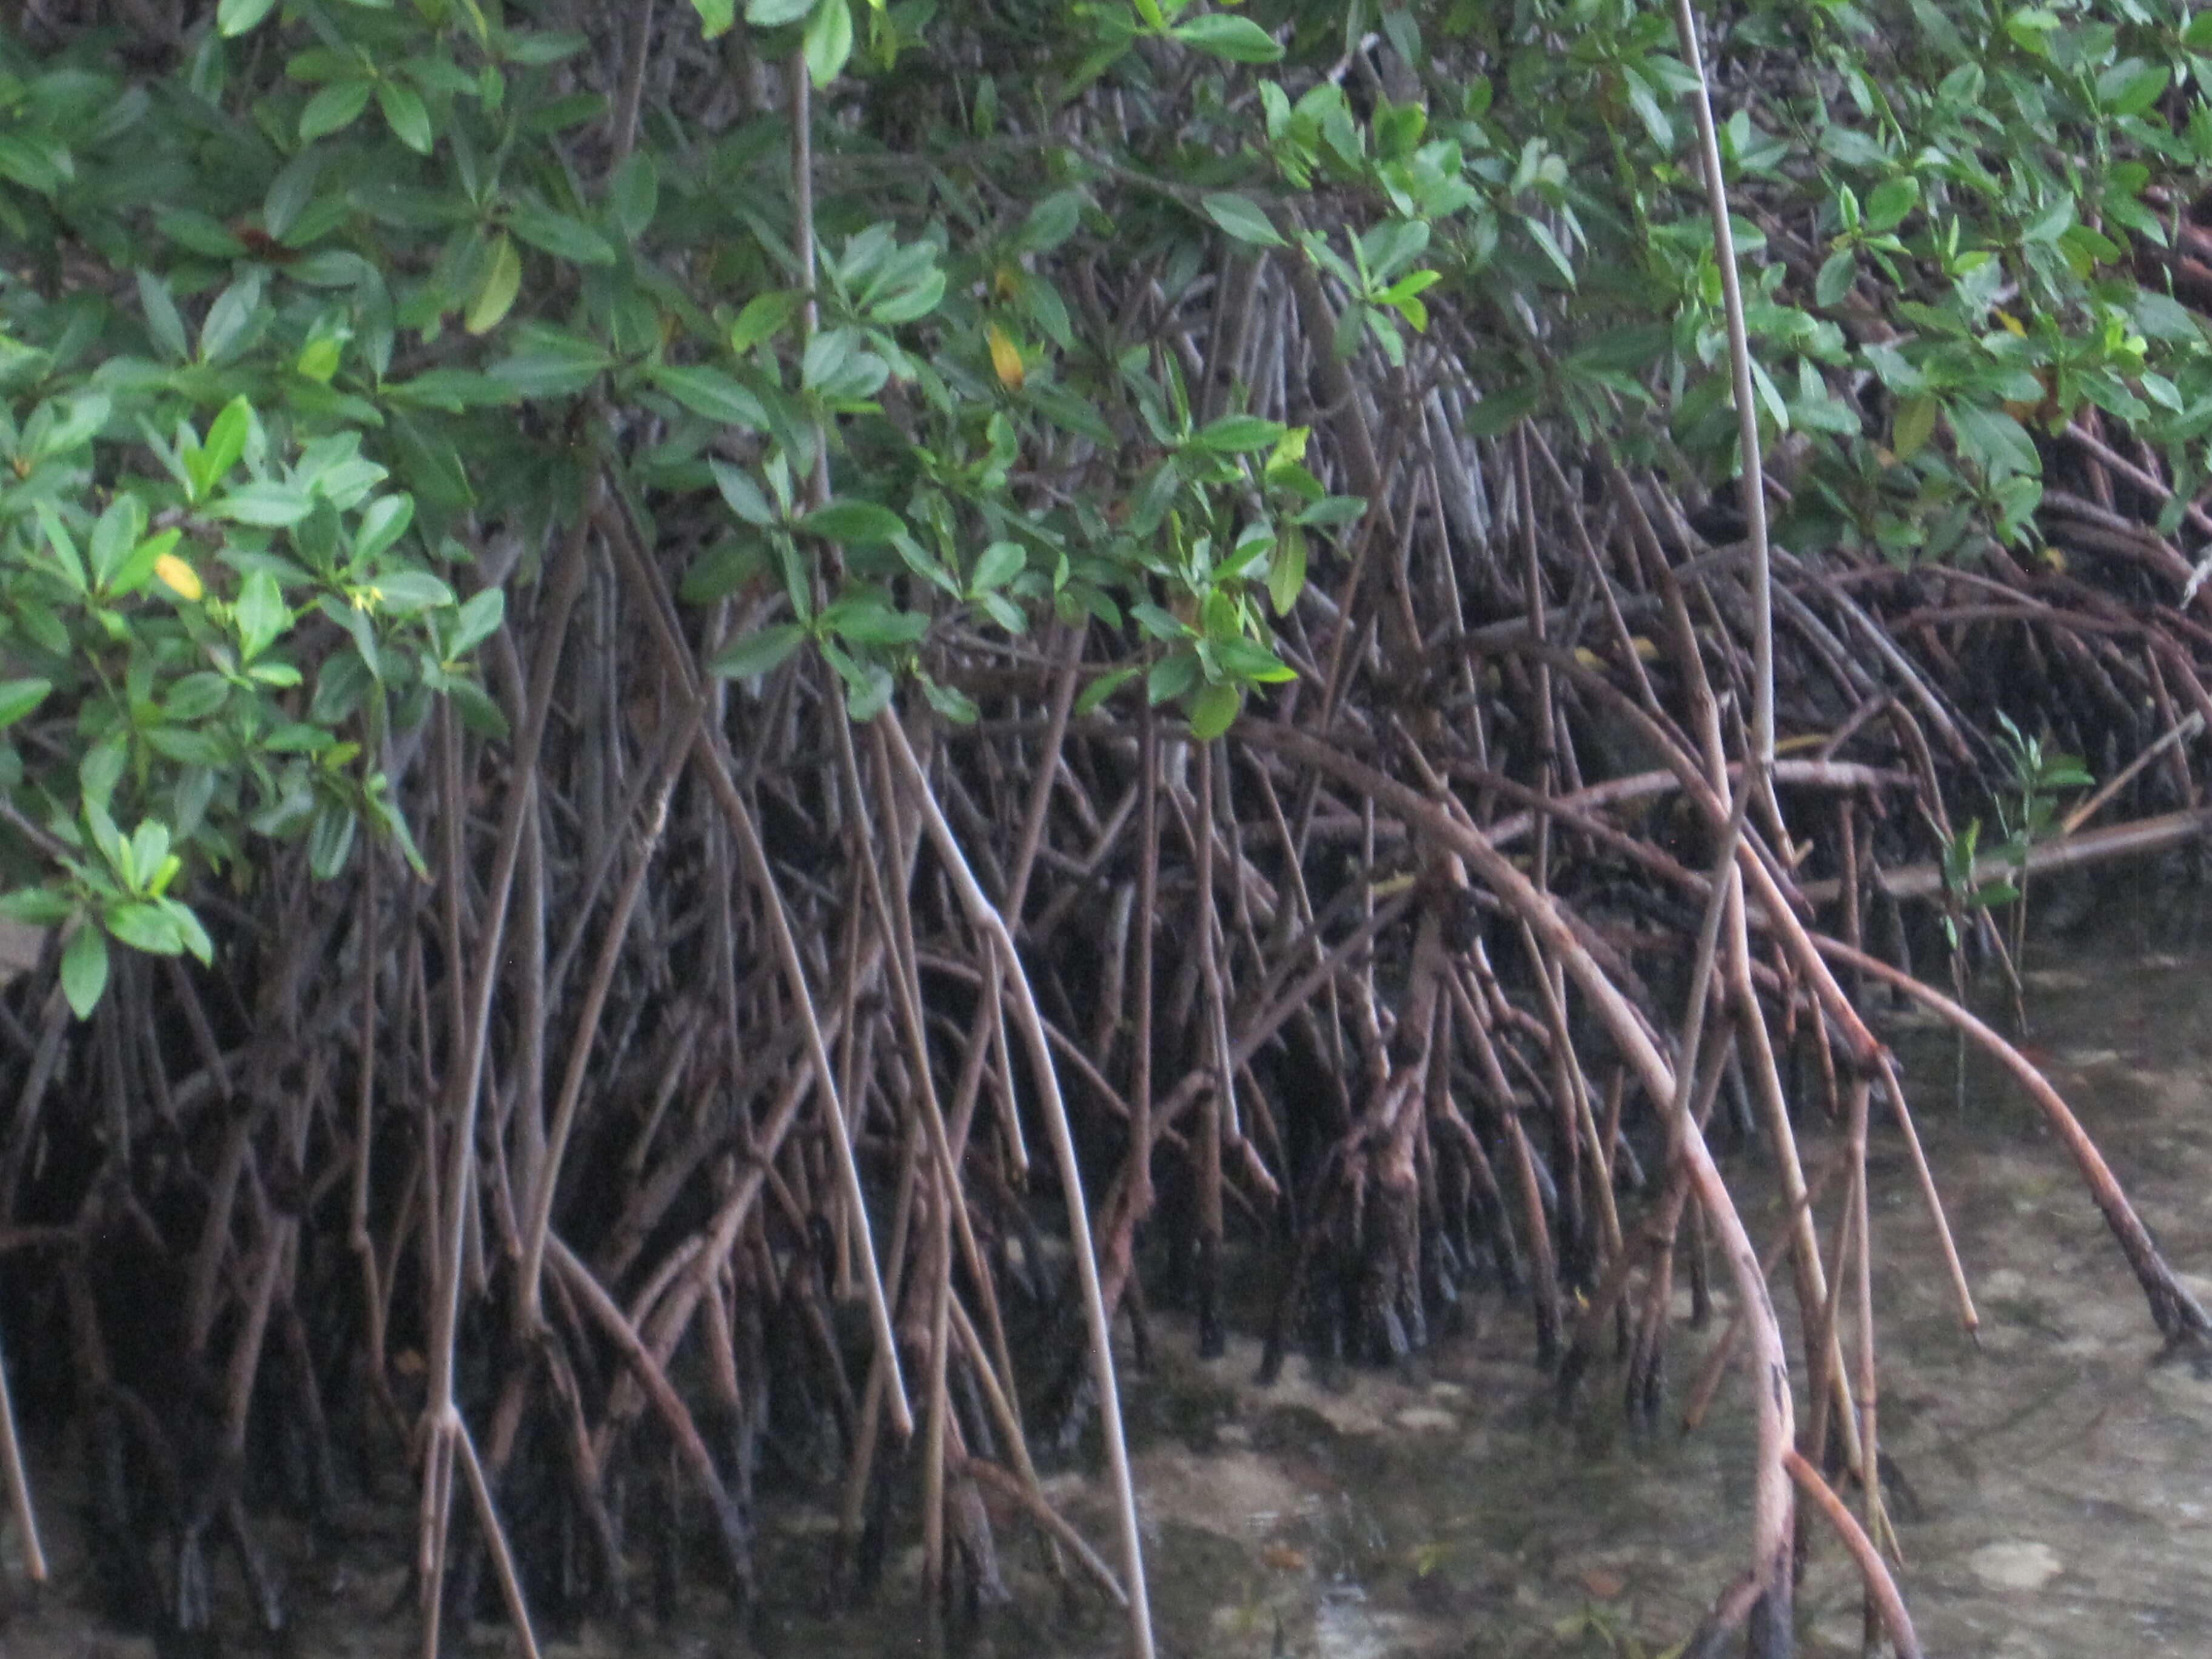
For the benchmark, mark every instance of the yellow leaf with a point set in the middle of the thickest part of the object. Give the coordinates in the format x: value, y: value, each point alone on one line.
x: 178, y: 577
x: 494, y: 295
x: 2012, y: 324
x: 2054, y: 560
x: 1801, y: 742
x: 1005, y: 358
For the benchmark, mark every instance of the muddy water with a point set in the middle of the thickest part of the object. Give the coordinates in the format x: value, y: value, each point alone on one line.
x: 2054, y: 1497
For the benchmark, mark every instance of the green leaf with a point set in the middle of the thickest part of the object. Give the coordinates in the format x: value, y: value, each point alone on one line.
x: 268, y: 505
x: 756, y: 653
x: 1051, y: 222
x: 558, y: 235
x: 710, y: 392
x: 1239, y: 40
x: 775, y: 13
x: 1838, y: 271
x: 495, y: 290
x: 546, y: 374
x: 478, y: 619
x: 1914, y: 423
x: 1093, y: 696
x: 829, y: 41
x: 1501, y: 411
x: 84, y: 969
x: 1892, y: 200
x: 261, y: 613
x: 951, y: 702
x: 115, y: 535
x: 404, y: 114
x: 405, y: 592
x: 743, y: 495
x: 37, y: 907
x: 1001, y: 562
x: 1993, y: 440
x: 20, y: 697
x: 330, y: 841
x: 1286, y: 571
x: 1235, y: 435
x: 337, y: 106
x: 715, y: 16
x: 764, y: 317
x: 478, y: 711
x: 146, y: 927
x: 634, y: 194
x: 865, y: 620
x: 854, y: 523
x: 163, y: 322
x: 1242, y: 218
x: 234, y: 17
x: 1213, y: 710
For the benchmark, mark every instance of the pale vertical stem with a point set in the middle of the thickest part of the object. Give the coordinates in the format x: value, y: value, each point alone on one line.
x: 933, y: 1430
x: 987, y: 920
x: 1746, y: 409
x: 802, y: 213
x: 19, y: 1487
x: 1869, y: 1443
x: 1148, y: 899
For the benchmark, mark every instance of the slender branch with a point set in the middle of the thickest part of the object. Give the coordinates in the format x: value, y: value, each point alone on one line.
x: 986, y: 919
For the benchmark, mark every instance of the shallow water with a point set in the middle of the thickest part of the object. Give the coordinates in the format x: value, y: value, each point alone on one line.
x: 2053, y: 1499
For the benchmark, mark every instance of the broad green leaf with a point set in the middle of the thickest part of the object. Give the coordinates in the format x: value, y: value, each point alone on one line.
x: 236, y: 17
x: 1093, y: 696
x: 84, y: 969
x: 20, y: 697
x: 37, y: 907
x: 1051, y: 222
x: 404, y: 114
x: 854, y: 523
x: 1892, y: 200
x: 331, y: 841
x: 261, y: 613
x: 764, y: 317
x: 951, y: 702
x: 115, y: 536
x: 829, y: 40
x: 1239, y: 40
x: 404, y: 592
x: 148, y: 927
x: 495, y: 291
x: 1501, y: 411
x: 1286, y: 571
x: 743, y: 495
x: 1912, y: 426
x: 558, y: 235
x: 1238, y: 434
x: 1001, y: 562
x: 1242, y: 218
x: 634, y: 194
x: 335, y: 107
x: 478, y: 619
x: 1838, y: 271
x: 710, y: 392
x: 775, y: 13
x: 715, y: 16
x: 1213, y: 710
x: 756, y: 653
x: 163, y: 321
